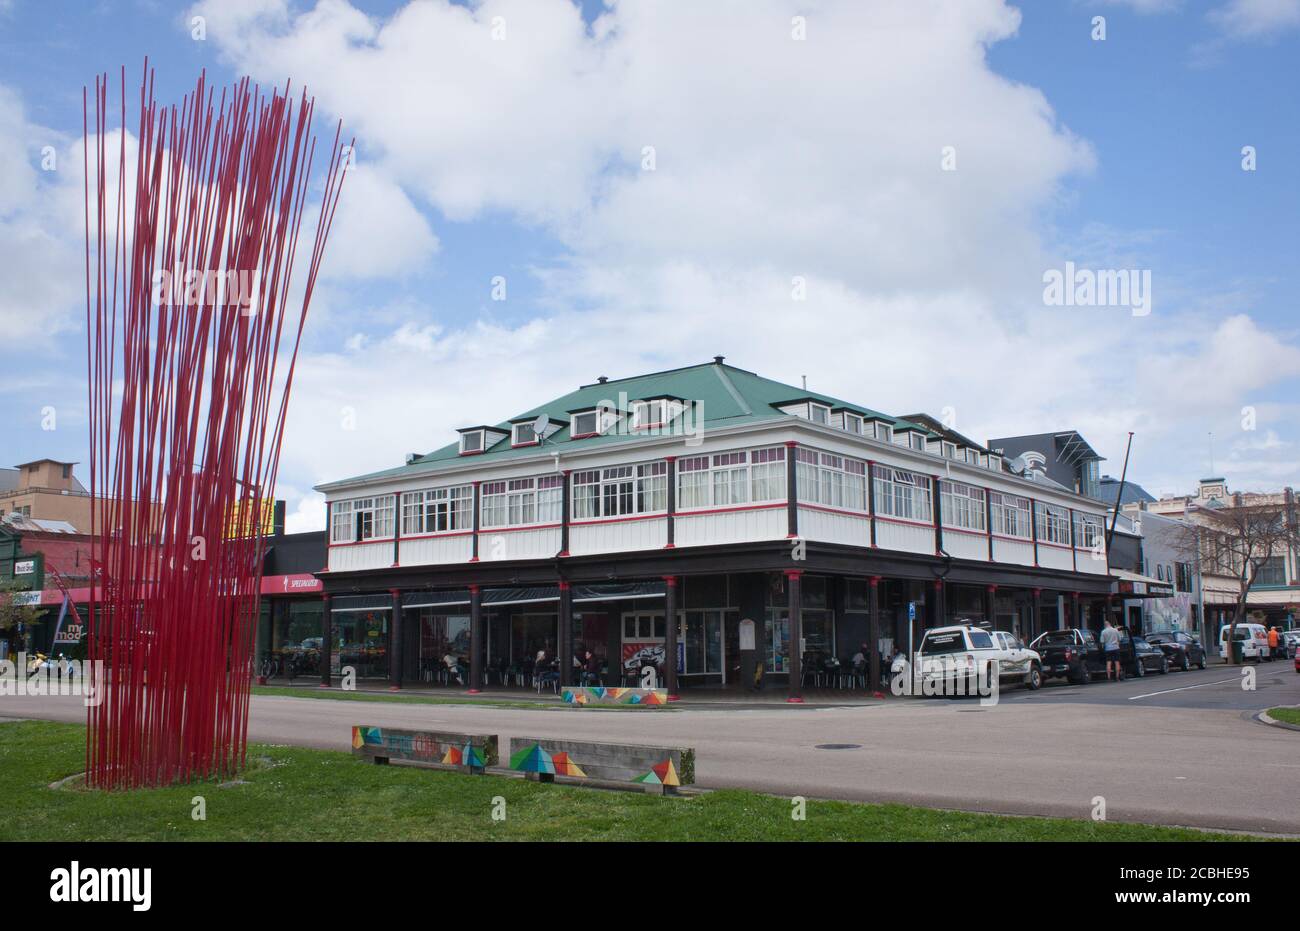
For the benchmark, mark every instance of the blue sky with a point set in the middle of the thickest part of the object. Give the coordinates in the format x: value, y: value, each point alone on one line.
x: 521, y: 160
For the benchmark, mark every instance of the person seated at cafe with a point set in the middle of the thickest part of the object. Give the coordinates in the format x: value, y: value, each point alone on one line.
x: 454, y: 667
x: 591, y: 669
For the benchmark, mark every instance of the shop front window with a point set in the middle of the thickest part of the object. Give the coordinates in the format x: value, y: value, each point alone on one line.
x: 531, y: 633
x: 441, y: 635
x: 361, y: 641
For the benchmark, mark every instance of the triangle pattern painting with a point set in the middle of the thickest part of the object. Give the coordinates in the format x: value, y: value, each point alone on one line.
x: 532, y: 760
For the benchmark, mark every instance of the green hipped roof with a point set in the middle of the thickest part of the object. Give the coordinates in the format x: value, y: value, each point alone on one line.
x: 730, y: 396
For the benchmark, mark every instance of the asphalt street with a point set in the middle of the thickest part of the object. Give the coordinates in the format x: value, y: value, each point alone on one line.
x: 1179, y: 749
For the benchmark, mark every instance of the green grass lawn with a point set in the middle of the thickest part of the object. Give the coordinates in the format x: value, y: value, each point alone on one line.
x: 415, y: 699
x: 1285, y: 715
x: 297, y: 794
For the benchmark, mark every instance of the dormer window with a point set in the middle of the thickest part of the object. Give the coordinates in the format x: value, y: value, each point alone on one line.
x: 995, y: 463
x: 852, y: 423
x: 884, y: 433
x: 647, y: 414
x: 524, y: 435
x: 819, y: 413
x: 584, y: 423
x: 950, y: 450
x: 471, y: 441
x: 918, y: 442
x: 973, y: 456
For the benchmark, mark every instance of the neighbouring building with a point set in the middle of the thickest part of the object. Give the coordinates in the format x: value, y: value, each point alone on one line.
x: 45, y: 489
x: 649, y: 516
x: 1275, y: 597
x: 1065, y: 458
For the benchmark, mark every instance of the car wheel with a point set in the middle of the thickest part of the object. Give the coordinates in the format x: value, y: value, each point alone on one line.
x: 1086, y: 676
x: 1140, y: 669
x: 1186, y: 663
x: 1164, y: 666
x: 1201, y: 664
x: 1035, y: 680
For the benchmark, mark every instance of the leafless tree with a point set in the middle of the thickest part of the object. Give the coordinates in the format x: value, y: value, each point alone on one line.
x: 1236, y: 541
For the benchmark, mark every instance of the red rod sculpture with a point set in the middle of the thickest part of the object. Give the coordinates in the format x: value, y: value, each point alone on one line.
x: 192, y: 271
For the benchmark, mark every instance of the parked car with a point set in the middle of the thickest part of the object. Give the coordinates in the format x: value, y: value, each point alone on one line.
x: 1297, y: 661
x: 962, y: 652
x: 1252, y: 637
x: 1292, y: 642
x: 1073, y: 654
x: 1183, y: 650
x: 1147, y: 657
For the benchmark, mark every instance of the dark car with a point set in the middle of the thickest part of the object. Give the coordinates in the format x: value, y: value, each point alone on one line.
x: 1147, y: 657
x: 1183, y: 650
x: 1072, y: 653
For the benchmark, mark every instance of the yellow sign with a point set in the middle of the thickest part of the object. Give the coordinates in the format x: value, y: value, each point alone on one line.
x: 240, y: 523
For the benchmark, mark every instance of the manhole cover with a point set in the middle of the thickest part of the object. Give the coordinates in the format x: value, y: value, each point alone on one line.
x: 838, y: 747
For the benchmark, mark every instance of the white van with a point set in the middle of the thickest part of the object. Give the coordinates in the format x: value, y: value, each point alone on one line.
x: 1253, y: 637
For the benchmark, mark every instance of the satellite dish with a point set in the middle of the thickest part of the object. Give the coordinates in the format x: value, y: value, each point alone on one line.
x: 539, y: 427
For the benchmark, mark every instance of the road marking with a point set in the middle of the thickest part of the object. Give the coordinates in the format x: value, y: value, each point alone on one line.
x: 1183, y: 689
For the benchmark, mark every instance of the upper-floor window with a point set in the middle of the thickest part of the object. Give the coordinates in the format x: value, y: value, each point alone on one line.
x: 437, y: 510
x: 1272, y: 571
x: 962, y: 505
x: 620, y: 491
x: 995, y: 463
x: 884, y: 433
x: 949, y: 450
x: 1053, y: 524
x: 649, y: 414
x: 1011, y: 515
x: 918, y: 442
x: 586, y: 423
x: 973, y: 456
x: 525, y: 434
x: 833, y: 481
x: 520, y: 502
x: 472, y: 441
x: 902, y: 494
x: 852, y: 422
x: 732, y: 478
x: 1088, y: 533
x: 360, y: 519
x: 819, y: 413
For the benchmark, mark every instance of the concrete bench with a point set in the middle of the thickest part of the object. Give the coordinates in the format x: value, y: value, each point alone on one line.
x: 595, y: 695
x: 463, y: 752
x: 659, y: 769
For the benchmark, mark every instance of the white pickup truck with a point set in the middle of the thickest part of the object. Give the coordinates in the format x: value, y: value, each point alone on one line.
x: 964, y: 653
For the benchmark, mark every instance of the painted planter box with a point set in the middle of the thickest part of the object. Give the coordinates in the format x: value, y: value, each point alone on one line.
x: 595, y: 695
x: 660, y: 769
x: 464, y: 752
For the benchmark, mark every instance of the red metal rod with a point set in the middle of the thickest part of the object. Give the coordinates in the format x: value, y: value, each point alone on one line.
x: 189, y: 293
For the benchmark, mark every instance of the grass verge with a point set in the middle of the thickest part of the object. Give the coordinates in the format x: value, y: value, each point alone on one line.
x: 292, y: 794
x: 1285, y: 715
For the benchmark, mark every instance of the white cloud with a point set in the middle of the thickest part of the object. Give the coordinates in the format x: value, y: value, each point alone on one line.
x: 774, y: 158
x: 1256, y: 19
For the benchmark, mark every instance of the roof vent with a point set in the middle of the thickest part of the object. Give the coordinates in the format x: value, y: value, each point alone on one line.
x: 411, y: 457
x: 602, y: 379
x: 718, y: 360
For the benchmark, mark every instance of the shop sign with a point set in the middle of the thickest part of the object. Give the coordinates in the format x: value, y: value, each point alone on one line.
x: 25, y: 567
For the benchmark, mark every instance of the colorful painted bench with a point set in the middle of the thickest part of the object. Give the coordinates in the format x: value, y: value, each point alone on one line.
x: 658, y: 769
x: 464, y: 752
x: 594, y: 695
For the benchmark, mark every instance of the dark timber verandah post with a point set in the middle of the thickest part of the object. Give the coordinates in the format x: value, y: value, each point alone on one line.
x: 326, y: 640
x: 873, y: 631
x: 670, y: 636
x: 475, y: 639
x: 671, y: 517
x: 794, y: 591
x: 792, y: 489
x: 990, y: 592
x: 1037, y: 620
x: 564, y: 636
x: 395, y: 643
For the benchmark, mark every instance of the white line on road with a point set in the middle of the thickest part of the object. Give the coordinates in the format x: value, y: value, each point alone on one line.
x: 1183, y: 689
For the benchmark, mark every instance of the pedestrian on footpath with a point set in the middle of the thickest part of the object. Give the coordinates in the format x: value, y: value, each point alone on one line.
x: 1110, y: 649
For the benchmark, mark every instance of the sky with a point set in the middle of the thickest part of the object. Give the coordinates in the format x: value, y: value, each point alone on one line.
x: 869, y: 194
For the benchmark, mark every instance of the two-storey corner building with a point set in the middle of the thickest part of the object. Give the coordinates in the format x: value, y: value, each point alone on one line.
x: 708, y: 495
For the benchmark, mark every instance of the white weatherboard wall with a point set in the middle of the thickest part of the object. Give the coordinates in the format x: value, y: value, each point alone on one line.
x: 436, y: 550
x: 534, y: 543
x: 618, y: 536
x: 834, y: 527
x: 354, y: 556
x: 1051, y: 556
x: 964, y: 544
x: 738, y: 526
x: 1018, y: 552
x: 910, y: 538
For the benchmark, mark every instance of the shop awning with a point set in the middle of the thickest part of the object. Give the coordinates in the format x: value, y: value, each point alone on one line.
x: 349, y: 604
x: 1134, y: 585
x: 498, y: 597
